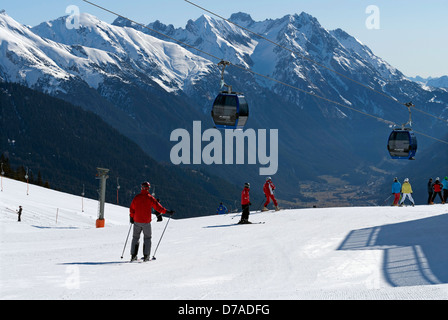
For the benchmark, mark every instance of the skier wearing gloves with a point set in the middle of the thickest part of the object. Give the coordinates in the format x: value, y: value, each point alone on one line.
x: 245, y: 204
x: 268, y: 189
x: 406, y: 189
x: 140, y: 217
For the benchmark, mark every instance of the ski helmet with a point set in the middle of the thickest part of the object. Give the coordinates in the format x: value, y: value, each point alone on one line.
x: 146, y: 185
x: 247, y: 185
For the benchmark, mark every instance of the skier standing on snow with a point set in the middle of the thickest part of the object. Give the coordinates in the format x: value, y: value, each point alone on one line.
x: 445, y: 189
x: 430, y: 190
x: 437, y: 187
x: 268, y: 189
x: 222, y: 209
x: 19, y: 213
x: 245, y: 204
x: 406, y: 189
x: 396, y: 190
x: 140, y: 217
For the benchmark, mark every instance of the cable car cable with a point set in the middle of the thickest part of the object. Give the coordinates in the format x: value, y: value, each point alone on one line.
x: 241, y: 67
x: 160, y: 33
x: 310, y: 60
x: 256, y: 73
x: 290, y: 50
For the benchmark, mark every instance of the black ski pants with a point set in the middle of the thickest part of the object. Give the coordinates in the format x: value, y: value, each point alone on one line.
x: 437, y: 193
x: 429, y: 197
x: 245, y: 213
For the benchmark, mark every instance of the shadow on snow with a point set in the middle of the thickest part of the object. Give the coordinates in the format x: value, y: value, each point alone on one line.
x: 93, y: 263
x: 415, y: 252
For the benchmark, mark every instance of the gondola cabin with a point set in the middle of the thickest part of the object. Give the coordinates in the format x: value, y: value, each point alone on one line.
x: 402, y: 144
x: 230, y: 111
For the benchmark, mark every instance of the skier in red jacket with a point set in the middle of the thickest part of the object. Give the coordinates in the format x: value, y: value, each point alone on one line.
x: 437, y: 187
x: 140, y: 217
x: 268, y: 190
x: 245, y: 204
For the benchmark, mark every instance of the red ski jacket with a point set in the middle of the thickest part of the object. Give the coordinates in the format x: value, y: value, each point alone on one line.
x: 268, y: 188
x: 437, y: 187
x: 245, y: 196
x: 141, y: 206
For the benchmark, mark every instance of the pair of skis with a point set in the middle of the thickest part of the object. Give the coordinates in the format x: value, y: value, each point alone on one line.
x: 242, y: 224
x: 142, y: 260
x: 154, y: 256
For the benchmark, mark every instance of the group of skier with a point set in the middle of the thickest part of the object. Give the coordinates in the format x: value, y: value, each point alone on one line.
x: 398, y: 190
x: 405, y: 191
x: 144, y: 204
x: 438, y: 188
x: 268, y: 189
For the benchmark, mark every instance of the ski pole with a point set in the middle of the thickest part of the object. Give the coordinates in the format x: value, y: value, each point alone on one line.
x: 387, y: 199
x: 154, y: 256
x: 130, y: 225
x: 259, y: 207
x: 238, y: 213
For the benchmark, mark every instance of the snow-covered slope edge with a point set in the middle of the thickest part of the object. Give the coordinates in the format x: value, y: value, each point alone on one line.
x: 333, y: 253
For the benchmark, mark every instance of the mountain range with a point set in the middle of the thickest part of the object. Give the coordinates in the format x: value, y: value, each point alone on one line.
x: 146, y: 85
x: 439, y: 82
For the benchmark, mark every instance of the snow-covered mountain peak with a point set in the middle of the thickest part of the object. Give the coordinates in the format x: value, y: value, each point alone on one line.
x: 7, y: 22
x: 91, y: 32
x: 304, y: 17
x: 302, y: 22
x: 93, y: 53
x: 123, y: 49
x: 133, y: 50
x: 300, y: 32
x: 242, y: 19
x: 217, y: 37
x: 63, y: 24
x: 26, y: 56
x: 440, y: 82
x: 123, y: 22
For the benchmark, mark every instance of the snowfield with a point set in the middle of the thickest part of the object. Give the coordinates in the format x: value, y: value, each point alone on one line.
x: 331, y: 253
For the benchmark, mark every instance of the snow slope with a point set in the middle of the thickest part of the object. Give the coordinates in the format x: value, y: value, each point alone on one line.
x: 332, y: 253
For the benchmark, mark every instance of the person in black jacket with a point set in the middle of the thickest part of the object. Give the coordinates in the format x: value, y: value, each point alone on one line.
x: 430, y: 190
x: 19, y: 213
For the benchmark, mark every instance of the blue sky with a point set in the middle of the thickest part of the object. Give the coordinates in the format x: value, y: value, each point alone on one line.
x: 412, y: 34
